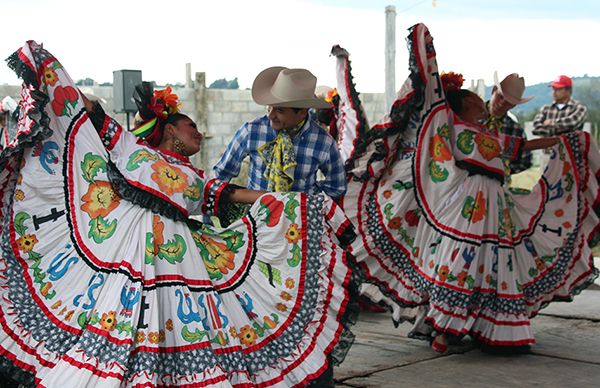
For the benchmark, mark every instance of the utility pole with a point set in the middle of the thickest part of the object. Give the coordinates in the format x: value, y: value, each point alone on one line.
x: 390, y: 56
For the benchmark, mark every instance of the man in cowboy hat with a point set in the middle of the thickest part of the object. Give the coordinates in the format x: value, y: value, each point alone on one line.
x: 505, y: 96
x: 564, y: 114
x: 286, y: 147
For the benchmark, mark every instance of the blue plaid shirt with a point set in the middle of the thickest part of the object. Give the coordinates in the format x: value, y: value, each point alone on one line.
x: 315, y: 150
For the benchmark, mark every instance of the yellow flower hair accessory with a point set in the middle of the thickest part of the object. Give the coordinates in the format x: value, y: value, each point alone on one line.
x: 331, y: 94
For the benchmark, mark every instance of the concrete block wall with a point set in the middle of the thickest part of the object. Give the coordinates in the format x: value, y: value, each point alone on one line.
x: 13, y: 91
x: 227, y: 110
x: 218, y: 112
x: 374, y: 105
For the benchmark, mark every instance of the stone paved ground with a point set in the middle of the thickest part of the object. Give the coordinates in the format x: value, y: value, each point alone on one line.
x: 567, y: 354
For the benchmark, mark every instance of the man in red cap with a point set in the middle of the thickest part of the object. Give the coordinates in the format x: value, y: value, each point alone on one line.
x: 564, y: 114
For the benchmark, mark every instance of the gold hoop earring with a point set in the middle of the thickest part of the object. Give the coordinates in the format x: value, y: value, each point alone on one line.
x: 179, y: 146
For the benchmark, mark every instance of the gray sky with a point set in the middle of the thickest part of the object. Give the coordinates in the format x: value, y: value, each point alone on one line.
x: 234, y: 38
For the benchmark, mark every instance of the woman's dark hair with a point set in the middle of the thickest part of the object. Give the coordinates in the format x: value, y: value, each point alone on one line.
x: 171, y: 119
x: 160, y: 131
x: 324, y: 115
x: 455, y: 99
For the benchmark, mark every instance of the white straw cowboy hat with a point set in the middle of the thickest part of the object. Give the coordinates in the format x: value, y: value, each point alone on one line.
x: 289, y: 88
x: 512, y: 88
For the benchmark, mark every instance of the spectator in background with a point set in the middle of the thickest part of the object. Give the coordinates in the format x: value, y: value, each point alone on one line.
x: 505, y: 96
x: 564, y: 114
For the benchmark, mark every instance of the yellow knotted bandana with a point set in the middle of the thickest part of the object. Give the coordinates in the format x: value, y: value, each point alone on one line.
x: 280, y: 157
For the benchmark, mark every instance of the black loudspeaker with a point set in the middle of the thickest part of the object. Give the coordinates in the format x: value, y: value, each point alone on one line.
x: 124, y: 82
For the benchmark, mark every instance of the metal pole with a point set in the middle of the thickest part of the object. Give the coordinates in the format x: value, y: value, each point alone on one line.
x: 390, y: 56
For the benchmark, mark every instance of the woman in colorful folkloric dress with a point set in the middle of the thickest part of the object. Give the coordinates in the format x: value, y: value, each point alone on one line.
x: 105, y: 281
x: 439, y: 235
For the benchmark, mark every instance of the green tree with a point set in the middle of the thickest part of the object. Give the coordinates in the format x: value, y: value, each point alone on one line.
x: 233, y: 84
x: 85, y: 82
x: 588, y: 93
x: 224, y: 84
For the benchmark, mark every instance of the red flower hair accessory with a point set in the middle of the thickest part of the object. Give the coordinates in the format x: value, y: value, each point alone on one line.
x: 165, y: 102
x: 451, y: 81
x: 154, y: 106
